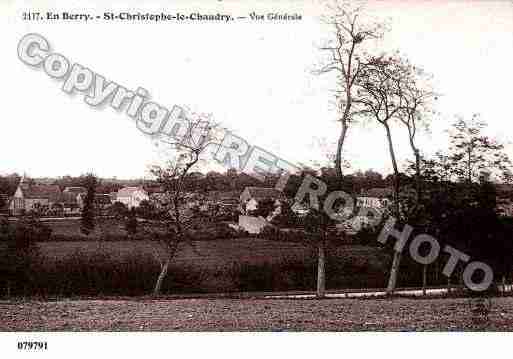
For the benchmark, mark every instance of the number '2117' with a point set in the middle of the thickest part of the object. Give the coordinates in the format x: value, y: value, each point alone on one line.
x: 30, y: 15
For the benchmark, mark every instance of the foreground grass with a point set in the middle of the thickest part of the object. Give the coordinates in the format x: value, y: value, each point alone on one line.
x: 252, y: 315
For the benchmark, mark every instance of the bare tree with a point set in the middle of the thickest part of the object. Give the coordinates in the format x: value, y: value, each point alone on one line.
x: 346, y: 57
x: 320, y: 226
x: 380, y: 92
x: 417, y: 100
x: 417, y: 96
x: 187, y: 152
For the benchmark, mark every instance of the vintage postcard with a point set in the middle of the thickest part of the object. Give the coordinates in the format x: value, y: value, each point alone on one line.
x: 268, y: 166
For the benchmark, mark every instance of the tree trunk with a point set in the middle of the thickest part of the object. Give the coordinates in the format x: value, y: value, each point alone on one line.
x: 469, y: 167
x: 448, y: 285
x: 416, y: 153
x: 418, y: 181
x: 321, y: 275
x: 162, y: 276
x: 396, y: 263
x: 340, y: 147
x: 396, y: 170
x: 437, y: 273
x: 424, y: 279
x: 503, y: 285
x: 394, y: 273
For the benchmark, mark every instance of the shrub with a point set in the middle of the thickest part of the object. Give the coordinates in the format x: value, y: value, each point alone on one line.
x: 131, y: 222
x: 20, y: 251
x: 213, y: 231
x: 367, y: 236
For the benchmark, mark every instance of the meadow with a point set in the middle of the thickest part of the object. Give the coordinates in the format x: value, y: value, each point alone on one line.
x: 109, y: 262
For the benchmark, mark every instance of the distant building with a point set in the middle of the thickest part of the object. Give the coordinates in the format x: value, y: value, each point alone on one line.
x: 75, y: 190
x: 250, y: 199
x: 70, y: 204
x: 34, y: 197
x: 300, y: 209
x: 228, y: 199
x: 132, y: 196
x: 252, y: 196
x: 73, y: 197
x: 377, y: 198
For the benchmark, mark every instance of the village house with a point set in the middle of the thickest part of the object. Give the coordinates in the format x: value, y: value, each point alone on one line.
x: 252, y: 196
x: 132, y: 196
x: 34, y: 197
x: 68, y: 205
x: 377, y: 198
x: 229, y: 200
x: 75, y: 191
x: 250, y: 199
x: 72, y: 198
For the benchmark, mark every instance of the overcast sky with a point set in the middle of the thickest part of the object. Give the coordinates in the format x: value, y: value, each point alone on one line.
x: 254, y: 78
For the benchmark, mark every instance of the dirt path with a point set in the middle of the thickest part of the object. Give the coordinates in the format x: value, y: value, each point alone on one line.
x: 250, y: 314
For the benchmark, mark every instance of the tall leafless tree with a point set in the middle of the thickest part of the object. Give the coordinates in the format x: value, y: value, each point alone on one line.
x: 346, y: 57
x: 379, y: 91
x: 415, y: 89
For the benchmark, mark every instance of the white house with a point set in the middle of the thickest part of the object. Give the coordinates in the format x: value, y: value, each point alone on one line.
x: 252, y: 196
x: 132, y: 196
x: 377, y: 198
x: 250, y: 199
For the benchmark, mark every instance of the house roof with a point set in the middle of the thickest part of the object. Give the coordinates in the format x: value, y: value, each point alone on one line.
x: 74, y: 190
x: 154, y: 189
x: 128, y: 191
x: 38, y: 191
x: 264, y: 193
x: 224, y: 195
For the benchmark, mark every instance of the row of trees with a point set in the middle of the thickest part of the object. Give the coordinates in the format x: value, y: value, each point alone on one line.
x: 390, y: 92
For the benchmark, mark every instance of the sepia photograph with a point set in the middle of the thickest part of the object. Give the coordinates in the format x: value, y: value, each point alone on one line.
x: 172, y: 169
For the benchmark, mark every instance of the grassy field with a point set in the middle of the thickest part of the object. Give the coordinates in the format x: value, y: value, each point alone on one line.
x: 69, y: 229
x: 212, y: 253
x: 228, y: 265
x: 398, y: 314
x: 71, y: 264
